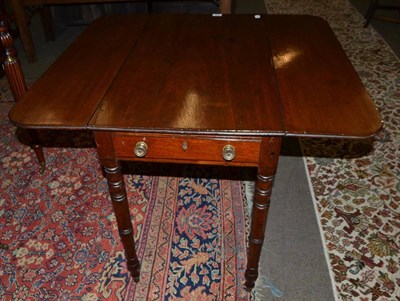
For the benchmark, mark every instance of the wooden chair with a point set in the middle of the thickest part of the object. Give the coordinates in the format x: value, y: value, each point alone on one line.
x: 374, y: 5
x: 19, y: 6
x: 16, y: 80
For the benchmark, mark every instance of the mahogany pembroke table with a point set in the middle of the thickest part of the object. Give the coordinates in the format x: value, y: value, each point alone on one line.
x: 216, y: 90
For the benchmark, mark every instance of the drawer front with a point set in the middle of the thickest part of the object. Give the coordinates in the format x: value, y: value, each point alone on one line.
x: 179, y: 148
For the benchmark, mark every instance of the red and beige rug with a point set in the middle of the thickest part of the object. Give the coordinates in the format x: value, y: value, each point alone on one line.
x: 356, y: 185
x: 59, y: 239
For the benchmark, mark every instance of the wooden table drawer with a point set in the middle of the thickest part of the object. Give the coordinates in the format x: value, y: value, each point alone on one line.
x: 191, y: 149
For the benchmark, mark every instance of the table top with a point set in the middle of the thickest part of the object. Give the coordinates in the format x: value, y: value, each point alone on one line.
x: 201, y: 74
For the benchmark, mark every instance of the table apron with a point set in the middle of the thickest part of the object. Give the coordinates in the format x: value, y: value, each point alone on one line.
x: 193, y: 149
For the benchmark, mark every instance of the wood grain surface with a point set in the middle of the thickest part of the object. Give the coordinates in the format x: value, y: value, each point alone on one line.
x: 199, y: 74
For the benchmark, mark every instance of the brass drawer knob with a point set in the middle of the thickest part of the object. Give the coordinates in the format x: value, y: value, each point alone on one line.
x: 228, y: 152
x: 140, y: 149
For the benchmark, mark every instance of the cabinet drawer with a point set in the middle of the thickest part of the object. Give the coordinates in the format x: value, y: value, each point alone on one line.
x: 191, y: 149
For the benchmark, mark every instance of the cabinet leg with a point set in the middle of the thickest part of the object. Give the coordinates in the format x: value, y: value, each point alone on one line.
x: 23, y: 28
x: 371, y: 11
x: 225, y: 6
x: 120, y: 205
x: 269, y: 155
x: 47, y: 23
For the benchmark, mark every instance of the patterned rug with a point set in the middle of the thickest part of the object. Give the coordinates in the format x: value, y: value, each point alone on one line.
x: 59, y: 239
x: 356, y: 185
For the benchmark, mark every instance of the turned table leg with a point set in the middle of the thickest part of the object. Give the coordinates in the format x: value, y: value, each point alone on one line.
x: 121, y: 209
x: 119, y: 200
x: 15, y: 77
x: 269, y: 155
x: 38, y: 149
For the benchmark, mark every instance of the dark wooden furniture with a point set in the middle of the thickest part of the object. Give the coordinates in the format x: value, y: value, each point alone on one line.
x: 151, y: 90
x: 19, y: 6
x: 376, y: 4
x: 15, y: 77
